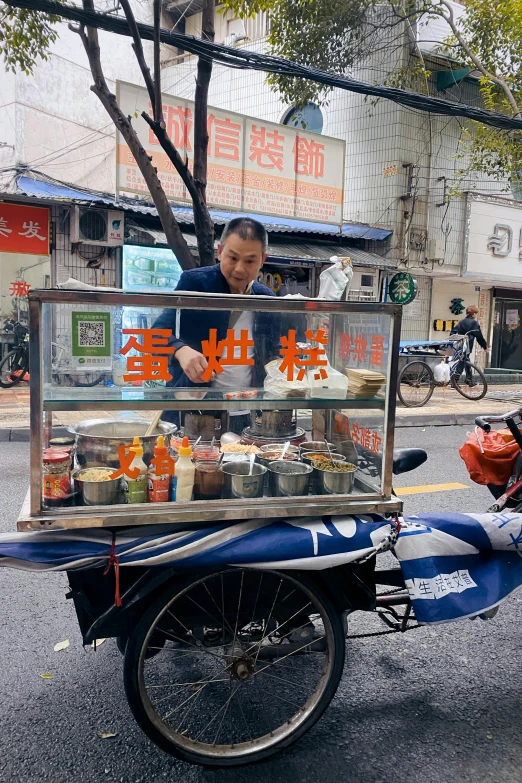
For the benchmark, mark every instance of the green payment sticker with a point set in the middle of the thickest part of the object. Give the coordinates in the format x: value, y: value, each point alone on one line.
x: 91, y: 334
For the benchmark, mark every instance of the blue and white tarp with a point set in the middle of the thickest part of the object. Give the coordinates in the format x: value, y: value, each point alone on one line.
x: 454, y: 565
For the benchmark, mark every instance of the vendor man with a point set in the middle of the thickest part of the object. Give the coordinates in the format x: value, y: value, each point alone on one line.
x: 242, y: 251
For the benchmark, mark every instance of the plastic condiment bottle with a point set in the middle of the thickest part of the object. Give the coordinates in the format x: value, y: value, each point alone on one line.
x: 185, y: 471
x: 159, y: 485
x: 135, y: 490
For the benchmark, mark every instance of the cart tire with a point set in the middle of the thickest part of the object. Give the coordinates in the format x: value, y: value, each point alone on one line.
x: 476, y: 392
x: 416, y: 384
x: 266, y: 713
x: 16, y: 360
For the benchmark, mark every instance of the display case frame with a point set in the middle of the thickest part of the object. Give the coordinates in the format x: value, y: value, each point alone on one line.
x: 46, y: 399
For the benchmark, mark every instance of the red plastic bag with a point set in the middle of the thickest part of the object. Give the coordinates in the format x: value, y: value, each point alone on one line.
x: 490, y: 456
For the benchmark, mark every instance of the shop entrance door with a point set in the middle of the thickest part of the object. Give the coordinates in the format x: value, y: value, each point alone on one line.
x: 507, y: 335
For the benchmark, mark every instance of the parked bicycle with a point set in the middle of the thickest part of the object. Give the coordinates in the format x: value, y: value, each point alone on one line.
x: 416, y: 382
x: 14, y: 368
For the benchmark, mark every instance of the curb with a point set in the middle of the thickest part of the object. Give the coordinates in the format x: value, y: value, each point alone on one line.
x: 22, y: 434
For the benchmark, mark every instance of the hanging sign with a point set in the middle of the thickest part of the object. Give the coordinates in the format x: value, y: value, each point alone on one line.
x: 402, y: 288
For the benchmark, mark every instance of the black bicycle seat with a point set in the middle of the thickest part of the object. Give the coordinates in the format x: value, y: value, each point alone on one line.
x: 405, y: 460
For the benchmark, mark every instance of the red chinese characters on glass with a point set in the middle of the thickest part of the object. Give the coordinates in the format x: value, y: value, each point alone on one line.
x: 366, y: 438
x: 153, y: 364
x: 362, y: 348
x: 266, y: 148
x: 298, y: 357
x: 308, y: 157
x: 220, y: 353
x: 126, y: 457
x: 224, y: 138
x: 19, y: 288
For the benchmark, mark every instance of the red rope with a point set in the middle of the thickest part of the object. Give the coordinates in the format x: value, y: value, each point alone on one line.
x: 115, y: 563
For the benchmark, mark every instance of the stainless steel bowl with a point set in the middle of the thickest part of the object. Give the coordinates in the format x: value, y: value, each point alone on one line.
x: 279, y: 447
x: 305, y: 456
x: 288, y: 479
x: 329, y: 482
x: 238, y: 484
x: 315, y: 445
x: 98, y: 493
x: 98, y: 440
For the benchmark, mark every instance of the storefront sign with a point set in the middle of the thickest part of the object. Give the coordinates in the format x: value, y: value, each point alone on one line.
x: 493, y: 248
x: 402, y: 289
x: 253, y: 165
x: 91, y: 341
x: 24, y: 229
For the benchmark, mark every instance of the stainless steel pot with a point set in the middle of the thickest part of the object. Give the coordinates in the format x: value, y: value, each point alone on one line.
x: 97, y: 493
x: 329, y: 482
x: 273, y: 424
x: 237, y: 482
x: 98, y: 440
x: 288, y: 479
x: 315, y: 445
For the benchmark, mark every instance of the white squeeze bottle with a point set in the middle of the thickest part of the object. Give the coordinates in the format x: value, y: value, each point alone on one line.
x: 184, y: 473
x: 135, y: 490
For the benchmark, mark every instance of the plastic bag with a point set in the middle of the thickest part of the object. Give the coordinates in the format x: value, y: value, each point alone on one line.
x: 334, y: 280
x: 277, y: 384
x: 441, y: 373
x: 490, y: 456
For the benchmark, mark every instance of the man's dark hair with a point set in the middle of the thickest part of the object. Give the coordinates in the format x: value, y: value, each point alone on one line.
x: 247, y: 229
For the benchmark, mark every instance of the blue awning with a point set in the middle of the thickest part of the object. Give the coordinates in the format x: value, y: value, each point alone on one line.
x: 29, y: 186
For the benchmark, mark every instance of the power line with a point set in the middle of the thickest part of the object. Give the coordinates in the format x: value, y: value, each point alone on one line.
x: 245, y: 58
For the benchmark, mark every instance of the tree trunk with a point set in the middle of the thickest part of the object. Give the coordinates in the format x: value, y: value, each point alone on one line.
x: 202, y: 220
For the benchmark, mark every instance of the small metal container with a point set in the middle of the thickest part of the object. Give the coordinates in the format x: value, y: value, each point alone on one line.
x: 316, y: 445
x: 305, y: 456
x: 98, y: 493
x: 288, y: 479
x: 238, y: 484
x: 329, y: 482
x: 263, y: 457
x: 279, y: 447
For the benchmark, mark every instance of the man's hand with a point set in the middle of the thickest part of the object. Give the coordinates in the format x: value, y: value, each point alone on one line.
x: 192, y: 363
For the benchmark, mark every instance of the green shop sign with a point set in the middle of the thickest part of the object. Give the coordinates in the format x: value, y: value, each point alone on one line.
x: 402, y: 288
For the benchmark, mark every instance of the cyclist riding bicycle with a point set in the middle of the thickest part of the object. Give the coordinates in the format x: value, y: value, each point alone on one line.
x: 470, y: 326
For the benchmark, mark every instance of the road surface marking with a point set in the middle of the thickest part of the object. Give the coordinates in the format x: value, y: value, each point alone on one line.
x: 421, y: 489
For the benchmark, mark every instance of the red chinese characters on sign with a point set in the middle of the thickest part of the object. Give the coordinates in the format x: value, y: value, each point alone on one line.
x: 126, y: 457
x: 223, y: 352
x: 224, y: 138
x: 178, y: 122
x: 266, y: 148
x: 163, y: 466
x: 153, y: 364
x: 308, y: 157
x: 299, y: 358
x: 24, y: 229
x: 19, y: 288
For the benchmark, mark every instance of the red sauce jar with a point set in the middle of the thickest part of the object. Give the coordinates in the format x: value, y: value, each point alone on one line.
x: 56, y: 477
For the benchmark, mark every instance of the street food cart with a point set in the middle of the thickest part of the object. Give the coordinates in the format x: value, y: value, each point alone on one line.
x: 232, y: 610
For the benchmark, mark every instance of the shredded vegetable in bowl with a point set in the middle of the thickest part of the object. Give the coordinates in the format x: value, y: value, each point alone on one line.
x: 239, y: 448
x: 95, y: 474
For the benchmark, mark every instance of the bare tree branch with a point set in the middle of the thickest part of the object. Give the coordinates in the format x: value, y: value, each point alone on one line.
x: 157, y: 105
x: 138, y: 50
x: 175, y: 238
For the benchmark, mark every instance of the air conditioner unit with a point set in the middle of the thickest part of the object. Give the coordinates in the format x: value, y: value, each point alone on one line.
x: 97, y: 226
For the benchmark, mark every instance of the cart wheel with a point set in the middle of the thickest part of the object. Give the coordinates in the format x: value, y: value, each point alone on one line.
x: 471, y: 382
x: 416, y: 384
x: 13, y: 368
x: 251, y: 662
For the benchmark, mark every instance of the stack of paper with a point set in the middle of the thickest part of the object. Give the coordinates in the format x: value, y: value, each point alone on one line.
x: 364, y: 383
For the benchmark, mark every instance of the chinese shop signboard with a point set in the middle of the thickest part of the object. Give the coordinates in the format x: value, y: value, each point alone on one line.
x: 24, y: 229
x: 253, y: 165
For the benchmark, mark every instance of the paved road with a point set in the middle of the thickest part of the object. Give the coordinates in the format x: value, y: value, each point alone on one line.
x: 437, y: 705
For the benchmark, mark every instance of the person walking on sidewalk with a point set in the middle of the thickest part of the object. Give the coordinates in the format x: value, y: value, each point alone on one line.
x: 470, y: 326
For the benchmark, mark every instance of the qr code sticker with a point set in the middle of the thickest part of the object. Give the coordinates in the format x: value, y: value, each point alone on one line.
x: 91, y: 334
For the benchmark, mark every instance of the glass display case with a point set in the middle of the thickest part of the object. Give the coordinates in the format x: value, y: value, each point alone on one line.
x: 267, y: 407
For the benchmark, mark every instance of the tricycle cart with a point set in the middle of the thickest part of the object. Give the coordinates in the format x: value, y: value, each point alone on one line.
x: 232, y: 612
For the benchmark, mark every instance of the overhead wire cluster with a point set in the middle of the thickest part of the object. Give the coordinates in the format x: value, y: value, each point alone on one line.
x: 247, y: 59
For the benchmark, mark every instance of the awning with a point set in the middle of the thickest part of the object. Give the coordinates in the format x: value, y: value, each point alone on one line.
x: 300, y: 253
x: 38, y: 188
